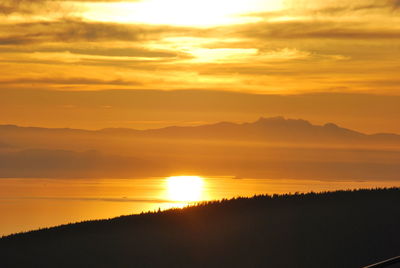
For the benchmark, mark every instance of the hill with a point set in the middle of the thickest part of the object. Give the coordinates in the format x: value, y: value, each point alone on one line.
x: 334, y: 229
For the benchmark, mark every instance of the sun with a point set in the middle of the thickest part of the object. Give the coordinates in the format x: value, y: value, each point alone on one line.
x: 185, y: 188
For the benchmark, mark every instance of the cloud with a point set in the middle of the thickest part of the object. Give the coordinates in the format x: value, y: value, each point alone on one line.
x: 70, y: 81
x: 366, y: 6
x: 341, y: 4
x: 317, y: 30
x: 395, y: 3
x: 334, y: 10
x: 8, y: 7
x: 96, y: 50
x: 14, y: 40
x: 125, y: 52
x: 70, y: 30
x: 279, y: 52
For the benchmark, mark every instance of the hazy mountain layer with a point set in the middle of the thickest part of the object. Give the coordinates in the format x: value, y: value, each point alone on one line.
x: 275, y: 129
x: 268, y: 148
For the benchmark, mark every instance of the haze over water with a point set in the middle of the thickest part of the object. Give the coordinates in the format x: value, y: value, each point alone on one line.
x: 28, y: 204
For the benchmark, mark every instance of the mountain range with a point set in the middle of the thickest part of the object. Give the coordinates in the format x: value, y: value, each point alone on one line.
x: 267, y: 148
x: 273, y: 129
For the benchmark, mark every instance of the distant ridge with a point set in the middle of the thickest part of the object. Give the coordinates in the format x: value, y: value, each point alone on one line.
x: 272, y: 129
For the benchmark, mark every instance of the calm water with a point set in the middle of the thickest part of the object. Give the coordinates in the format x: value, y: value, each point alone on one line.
x: 27, y: 204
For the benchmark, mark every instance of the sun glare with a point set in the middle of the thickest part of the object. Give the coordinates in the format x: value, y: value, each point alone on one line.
x: 185, y: 188
x: 180, y: 12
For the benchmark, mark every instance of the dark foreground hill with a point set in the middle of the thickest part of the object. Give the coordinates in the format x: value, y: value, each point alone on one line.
x: 337, y: 229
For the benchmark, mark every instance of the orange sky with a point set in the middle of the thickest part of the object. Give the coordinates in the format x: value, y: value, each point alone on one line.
x: 249, y: 46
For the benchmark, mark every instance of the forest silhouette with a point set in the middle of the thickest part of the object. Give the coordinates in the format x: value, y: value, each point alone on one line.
x: 351, y: 228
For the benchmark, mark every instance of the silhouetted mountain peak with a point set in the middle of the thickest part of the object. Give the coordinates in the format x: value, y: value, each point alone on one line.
x: 331, y: 126
x: 271, y: 119
x: 280, y: 120
x: 6, y: 127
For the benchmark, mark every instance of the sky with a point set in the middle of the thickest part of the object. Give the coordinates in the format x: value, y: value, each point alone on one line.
x: 278, y: 47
